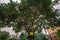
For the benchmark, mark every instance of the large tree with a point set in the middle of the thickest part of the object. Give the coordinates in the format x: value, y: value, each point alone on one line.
x: 30, y: 15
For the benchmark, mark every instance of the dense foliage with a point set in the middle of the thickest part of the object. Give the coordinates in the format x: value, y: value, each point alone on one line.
x: 38, y: 36
x: 30, y: 15
x: 27, y: 14
x: 4, y: 35
x: 58, y: 33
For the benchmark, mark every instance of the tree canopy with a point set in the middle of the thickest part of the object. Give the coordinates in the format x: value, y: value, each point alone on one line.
x: 31, y: 15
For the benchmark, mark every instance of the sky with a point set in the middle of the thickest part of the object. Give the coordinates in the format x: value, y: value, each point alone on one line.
x: 6, y: 1
x: 57, y: 6
x: 10, y: 29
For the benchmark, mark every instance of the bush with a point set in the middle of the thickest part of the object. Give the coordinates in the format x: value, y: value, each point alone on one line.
x: 4, y: 35
x: 58, y: 33
x: 12, y: 39
x: 37, y: 36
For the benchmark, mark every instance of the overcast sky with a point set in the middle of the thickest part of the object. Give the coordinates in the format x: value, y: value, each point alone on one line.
x: 6, y: 1
x: 10, y: 29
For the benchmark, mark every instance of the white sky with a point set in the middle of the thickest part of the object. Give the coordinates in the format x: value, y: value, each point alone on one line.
x: 6, y: 1
x: 57, y: 6
x: 10, y: 29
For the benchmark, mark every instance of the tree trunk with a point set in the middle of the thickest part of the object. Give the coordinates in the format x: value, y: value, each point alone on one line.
x: 17, y: 36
